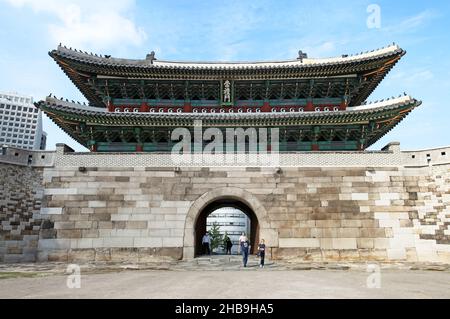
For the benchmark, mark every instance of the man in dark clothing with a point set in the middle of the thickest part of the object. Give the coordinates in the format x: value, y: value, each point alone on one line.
x: 228, y: 245
x: 206, y: 242
x: 244, y: 250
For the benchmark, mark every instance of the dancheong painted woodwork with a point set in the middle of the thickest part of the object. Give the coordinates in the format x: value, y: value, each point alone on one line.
x: 317, y: 104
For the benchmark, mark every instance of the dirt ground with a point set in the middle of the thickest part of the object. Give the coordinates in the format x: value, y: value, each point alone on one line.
x: 242, y: 283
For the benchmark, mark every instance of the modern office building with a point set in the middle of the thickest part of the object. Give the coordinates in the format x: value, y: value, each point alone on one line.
x: 43, y: 141
x: 20, y: 122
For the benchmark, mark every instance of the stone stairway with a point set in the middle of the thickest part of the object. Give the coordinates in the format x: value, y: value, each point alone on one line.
x: 222, y: 262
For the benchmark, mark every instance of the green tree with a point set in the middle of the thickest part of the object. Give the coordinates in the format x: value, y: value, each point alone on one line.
x: 216, y: 237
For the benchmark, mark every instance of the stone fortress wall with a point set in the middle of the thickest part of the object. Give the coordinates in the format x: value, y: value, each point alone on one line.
x: 316, y: 206
x: 21, y: 193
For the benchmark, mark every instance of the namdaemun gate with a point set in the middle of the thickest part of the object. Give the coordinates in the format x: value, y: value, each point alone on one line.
x: 327, y: 198
x: 317, y: 104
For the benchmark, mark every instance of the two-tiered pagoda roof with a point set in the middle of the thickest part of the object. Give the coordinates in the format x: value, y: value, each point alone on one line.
x: 319, y: 104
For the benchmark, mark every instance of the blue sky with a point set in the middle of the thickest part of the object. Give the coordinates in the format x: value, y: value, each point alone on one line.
x: 234, y: 30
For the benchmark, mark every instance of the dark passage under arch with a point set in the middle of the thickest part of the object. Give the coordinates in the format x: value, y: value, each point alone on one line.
x: 200, y: 223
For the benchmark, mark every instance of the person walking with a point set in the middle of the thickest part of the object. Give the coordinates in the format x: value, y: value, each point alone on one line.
x: 206, y: 242
x: 245, y: 246
x: 261, y: 252
x: 242, y: 238
x: 228, y: 245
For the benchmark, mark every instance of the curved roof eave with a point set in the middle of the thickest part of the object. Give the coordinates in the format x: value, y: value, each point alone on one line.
x: 76, y: 108
x: 84, y: 57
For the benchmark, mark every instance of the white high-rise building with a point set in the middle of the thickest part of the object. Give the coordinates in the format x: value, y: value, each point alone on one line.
x: 231, y: 221
x: 20, y: 122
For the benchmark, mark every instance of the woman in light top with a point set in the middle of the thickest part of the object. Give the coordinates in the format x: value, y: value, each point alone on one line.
x: 244, y: 244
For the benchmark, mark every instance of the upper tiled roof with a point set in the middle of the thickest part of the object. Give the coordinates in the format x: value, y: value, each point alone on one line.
x: 85, y: 57
x: 85, y: 69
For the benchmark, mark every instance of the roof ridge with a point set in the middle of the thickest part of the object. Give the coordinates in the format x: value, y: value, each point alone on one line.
x: 344, y: 57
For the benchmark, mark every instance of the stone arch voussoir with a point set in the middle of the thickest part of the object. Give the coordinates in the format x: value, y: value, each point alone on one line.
x: 237, y: 194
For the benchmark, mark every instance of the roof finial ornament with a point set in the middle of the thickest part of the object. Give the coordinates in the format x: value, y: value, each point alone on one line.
x: 151, y: 57
x: 302, y: 55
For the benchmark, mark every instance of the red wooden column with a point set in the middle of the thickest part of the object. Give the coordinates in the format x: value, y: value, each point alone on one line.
x: 144, y: 107
x: 139, y: 148
x: 361, y: 143
x: 265, y: 107
x: 187, y: 107
x: 110, y: 106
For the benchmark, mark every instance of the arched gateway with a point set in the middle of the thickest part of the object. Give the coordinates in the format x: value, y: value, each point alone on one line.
x: 135, y: 200
x: 195, y: 225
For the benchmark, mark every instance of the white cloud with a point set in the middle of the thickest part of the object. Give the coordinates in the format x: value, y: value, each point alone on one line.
x: 232, y: 24
x: 411, y: 78
x: 95, y: 24
x: 412, y: 23
x: 320, y: 50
